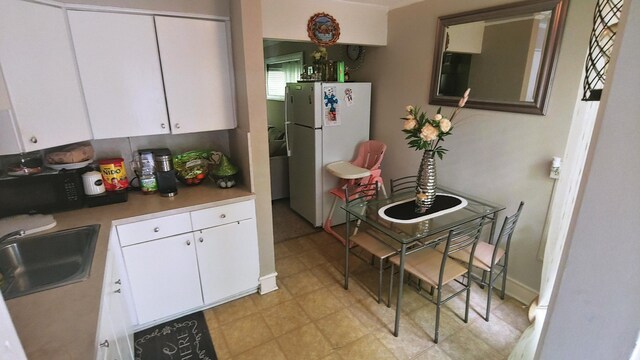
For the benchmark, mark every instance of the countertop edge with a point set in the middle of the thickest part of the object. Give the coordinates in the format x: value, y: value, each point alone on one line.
x: 62, y: 322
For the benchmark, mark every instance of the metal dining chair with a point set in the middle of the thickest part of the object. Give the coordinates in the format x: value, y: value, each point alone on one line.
x: 373, y: 242
x: 403, y: 183
x: 437, y: 269
x: 492, y: 259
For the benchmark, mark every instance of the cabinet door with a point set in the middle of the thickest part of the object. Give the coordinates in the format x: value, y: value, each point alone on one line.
x: 120, y: 71
x: 119, y: 313
x: 228, y: 260
x: 107, y: 344
x: 163, y: 275
x: 197, y: 74
x: 39, y: 68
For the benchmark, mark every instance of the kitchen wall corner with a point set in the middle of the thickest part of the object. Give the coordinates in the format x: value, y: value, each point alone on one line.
x: 251, y: 134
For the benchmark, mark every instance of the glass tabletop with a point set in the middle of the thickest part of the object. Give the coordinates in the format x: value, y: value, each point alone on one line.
x: 368, y: 212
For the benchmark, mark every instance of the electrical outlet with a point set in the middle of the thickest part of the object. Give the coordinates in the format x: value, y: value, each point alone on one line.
x: 556, y: 163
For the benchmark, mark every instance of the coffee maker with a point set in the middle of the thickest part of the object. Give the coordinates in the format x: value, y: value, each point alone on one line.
x: 165, y: 172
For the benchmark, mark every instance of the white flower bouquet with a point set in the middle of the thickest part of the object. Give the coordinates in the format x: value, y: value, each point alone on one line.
x: 426, y: 133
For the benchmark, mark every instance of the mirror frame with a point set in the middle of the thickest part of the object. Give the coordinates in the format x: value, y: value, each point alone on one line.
x: 547, y: 64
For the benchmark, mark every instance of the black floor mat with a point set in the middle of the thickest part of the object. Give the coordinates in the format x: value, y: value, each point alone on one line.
x: 184, y: 338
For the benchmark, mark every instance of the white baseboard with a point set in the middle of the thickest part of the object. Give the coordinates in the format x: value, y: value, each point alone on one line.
x: 268, y: 283
x: 519, y: 291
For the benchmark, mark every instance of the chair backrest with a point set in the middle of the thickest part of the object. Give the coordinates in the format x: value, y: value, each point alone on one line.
x: 508, y: 226
x: 460, y: 238
x: 403, y: 183
x: 363, y: 192
x: 370, y: 154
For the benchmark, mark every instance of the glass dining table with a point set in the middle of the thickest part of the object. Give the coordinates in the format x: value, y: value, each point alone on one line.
x: 427, y: 230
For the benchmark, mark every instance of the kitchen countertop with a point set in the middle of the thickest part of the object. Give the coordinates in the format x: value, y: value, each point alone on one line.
x: 62, y: 323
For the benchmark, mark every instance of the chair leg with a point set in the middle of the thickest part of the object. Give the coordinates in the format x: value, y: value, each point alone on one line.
x: 384, y: 191
x: 504, y: 281
x: 466, y: 307
x: 390, y: 287
x: 437, y: 333
x: 380, y: 280
x: 484, y: 279
x: 489, y: 294
x: 328, y: 221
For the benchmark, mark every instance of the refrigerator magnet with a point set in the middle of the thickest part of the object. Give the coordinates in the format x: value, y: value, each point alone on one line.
x: 331, y: 108
x: 348, y: 96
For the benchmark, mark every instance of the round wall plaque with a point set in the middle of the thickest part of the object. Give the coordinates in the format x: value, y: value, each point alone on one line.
x: 323, y: 29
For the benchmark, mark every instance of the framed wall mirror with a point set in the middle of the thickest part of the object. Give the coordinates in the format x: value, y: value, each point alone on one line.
x: 505, y: 54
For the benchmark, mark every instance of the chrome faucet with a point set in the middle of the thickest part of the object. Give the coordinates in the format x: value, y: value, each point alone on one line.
x: 11, y: 234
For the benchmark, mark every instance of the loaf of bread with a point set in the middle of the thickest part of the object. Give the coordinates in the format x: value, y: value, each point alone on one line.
x: 71, y: 154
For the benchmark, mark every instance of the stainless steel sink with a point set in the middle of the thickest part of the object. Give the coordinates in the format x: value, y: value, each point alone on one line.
x: 42, y: 262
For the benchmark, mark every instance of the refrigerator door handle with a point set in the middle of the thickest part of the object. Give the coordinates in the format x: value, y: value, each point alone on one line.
x: 286, y: 137
x: 286, y: 119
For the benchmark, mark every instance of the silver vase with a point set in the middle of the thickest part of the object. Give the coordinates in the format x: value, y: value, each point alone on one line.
x: 426, y: 182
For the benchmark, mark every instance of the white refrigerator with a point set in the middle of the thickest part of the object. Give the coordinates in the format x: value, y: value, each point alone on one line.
x: 324, y: 123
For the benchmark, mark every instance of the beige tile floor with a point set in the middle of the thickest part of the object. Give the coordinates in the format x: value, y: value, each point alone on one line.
x: 311, y: 316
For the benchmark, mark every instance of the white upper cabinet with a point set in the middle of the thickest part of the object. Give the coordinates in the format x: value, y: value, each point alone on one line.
x: 120, y: 70
x: 39, y: 68
x: 196, y: 66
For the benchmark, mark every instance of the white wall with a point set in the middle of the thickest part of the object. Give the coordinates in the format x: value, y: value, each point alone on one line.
x: 500, y: 156
x: 594, y: 312
x: 359, y: 23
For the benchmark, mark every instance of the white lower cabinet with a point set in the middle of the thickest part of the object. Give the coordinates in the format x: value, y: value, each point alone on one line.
x: 228, y: 259
x: 215, y: 263
x: 164, y: 276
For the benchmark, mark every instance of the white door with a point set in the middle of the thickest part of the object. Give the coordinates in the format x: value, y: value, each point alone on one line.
x: 305, y: 184
x: 120, y: 71
x: 228, y: 260
x: 39, y: 68
x: 163, y: 275
x: 197, y: 74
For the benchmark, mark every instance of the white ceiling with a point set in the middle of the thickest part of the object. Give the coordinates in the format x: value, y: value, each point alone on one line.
x: 390, y: 4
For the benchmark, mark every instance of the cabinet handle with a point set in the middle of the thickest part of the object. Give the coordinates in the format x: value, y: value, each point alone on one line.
x: 177, y: 126
x: 201, y: 240
x: 222, y: 216
x: 117, y: 291
x: 105, y: 344
x: 118, y: 282
x: 163, y: 126
x: 156, y: 229
x: 33, y: 139
x: 188, y: 242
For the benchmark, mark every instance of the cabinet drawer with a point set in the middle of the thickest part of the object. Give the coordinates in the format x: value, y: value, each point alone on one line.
x: 221, y: 215
x: 154, y: 229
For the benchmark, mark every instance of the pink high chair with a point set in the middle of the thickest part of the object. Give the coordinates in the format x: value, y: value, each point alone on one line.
x: 364, y: 169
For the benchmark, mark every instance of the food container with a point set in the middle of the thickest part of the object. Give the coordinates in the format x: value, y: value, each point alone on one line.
x: 92, y: 183
x: 191, y: 167
x: 114, y: 175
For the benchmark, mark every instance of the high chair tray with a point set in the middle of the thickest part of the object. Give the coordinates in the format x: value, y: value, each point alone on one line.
x: 346, y: 170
